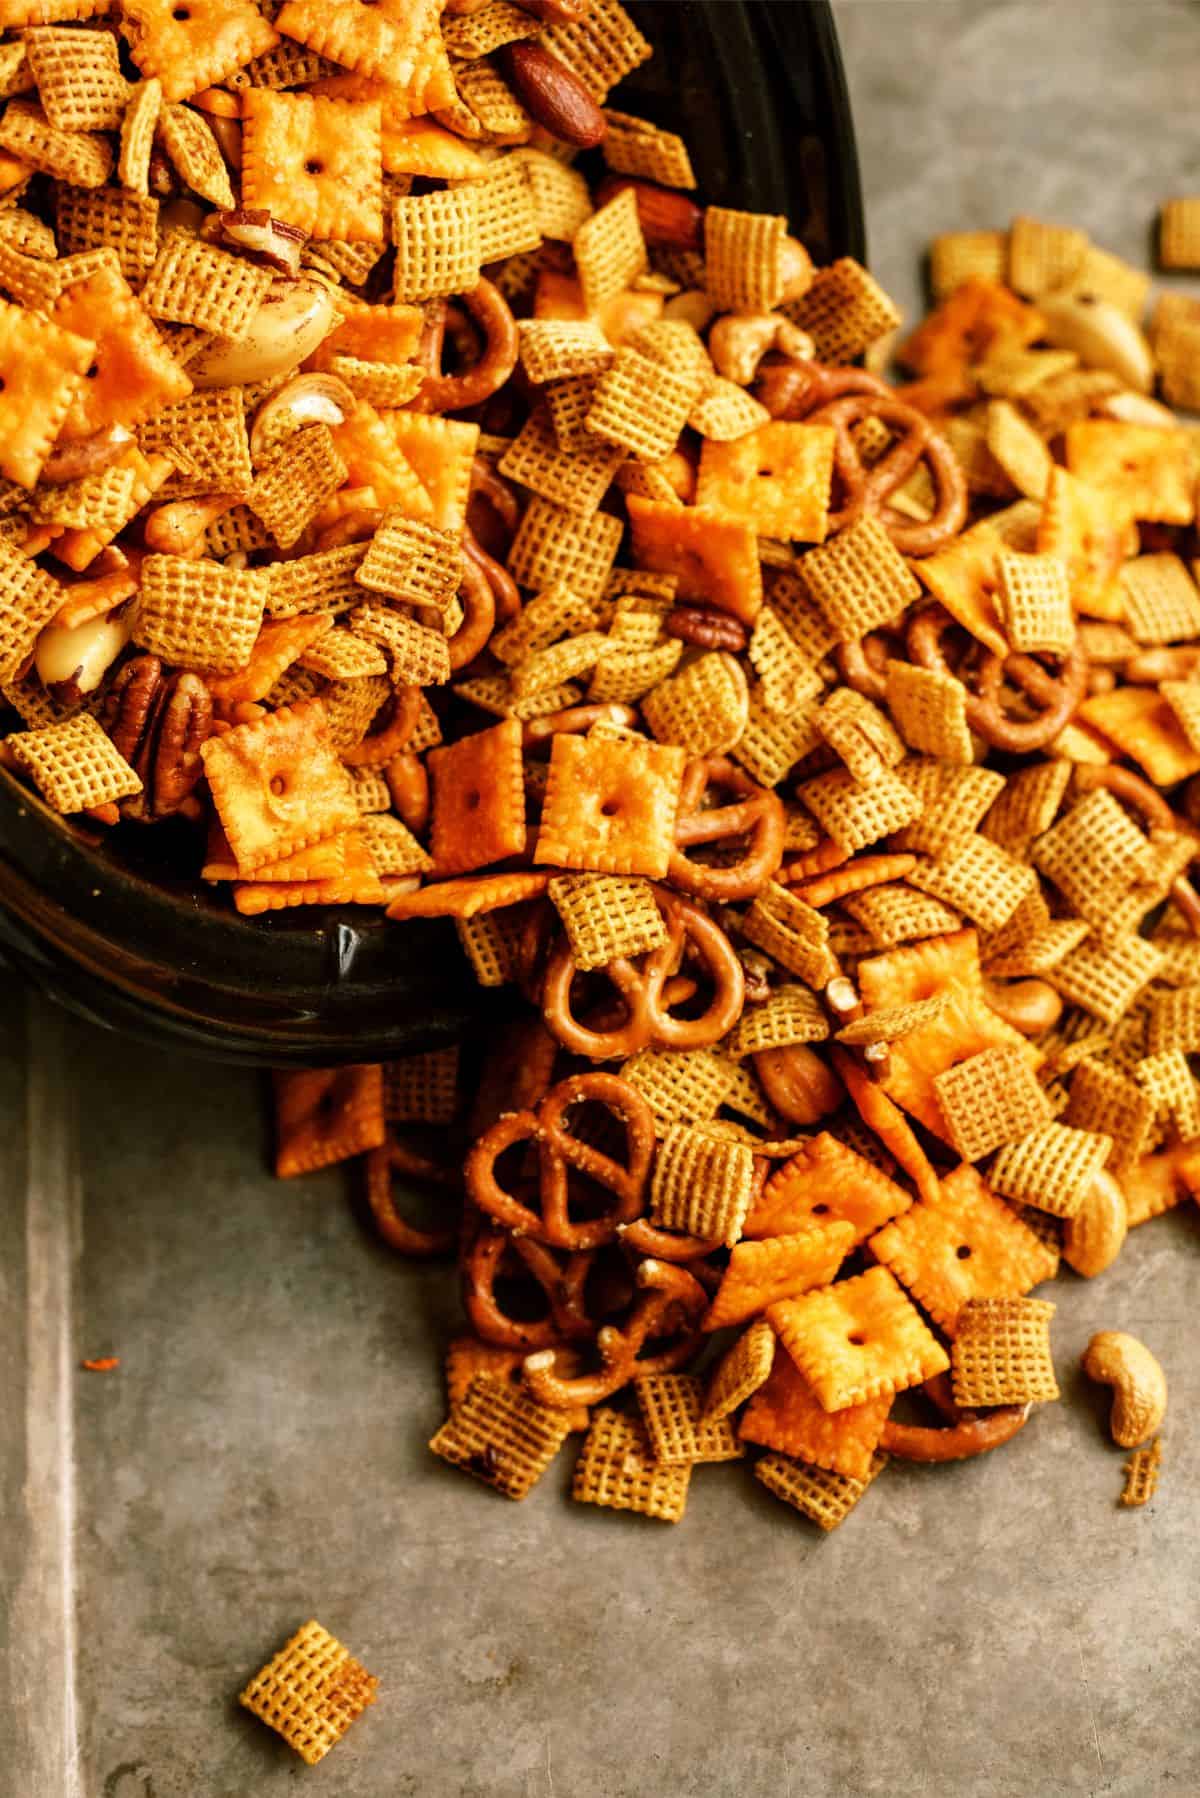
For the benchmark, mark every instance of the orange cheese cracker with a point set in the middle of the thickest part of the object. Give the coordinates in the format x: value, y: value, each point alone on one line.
x: 196, y: 43
x: 314, y: 162
x: 478, y: 799
x: 323, y: 1115
x: 826, y: 1182
x: 42, y: 365
x: 778, y: 478
x: 130, y: 373
x: 859, y: 1340
x: 779, y: 1267
x: 610, y: 806
x: 784, y: 1414
x: 277, y: 784
x: 714, y: 556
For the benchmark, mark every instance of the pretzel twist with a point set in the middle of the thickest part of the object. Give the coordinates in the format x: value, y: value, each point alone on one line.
x: 406, y: 1238
x: 670, y: 1298
x: 1056, y: 695
x: 754, y: 812
x: 453, y: 393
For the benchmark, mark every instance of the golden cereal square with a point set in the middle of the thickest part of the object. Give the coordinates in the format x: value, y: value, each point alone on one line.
x: 314, y: 162
x: 610, y: 806
x: 606, y: 916
x: 741, y: 1370
x: 196, y: 44
x: 502, y: 1436
x: 478, y: 810
x: 1161, y: 601
x: 966, y: 1244
x: 859, y: 579
x: 641, y: 405
x: 609, y: 250
x: 436, y: 237
x: 552, y: 545
x: 73, y: 764
x: 41, y: 367
x: 778, y: 477
x: 199, y: 614
x: 1141, y: 1475
x: 78, y: 77
x: 310, y: 1692
x: 601, y: 47
x: 1051, y: 1168
x: 858, y: 1340
x: 990, y: 1099
x: 844, y: 311
x: 1001, y: 1354
x: 701, y: 1184
x: 678, y: 1432
x: 826, y: 1498
x: 194, y: 283
x: 617, y: 1469
x: 743, y: 259
x: 1179, y: 233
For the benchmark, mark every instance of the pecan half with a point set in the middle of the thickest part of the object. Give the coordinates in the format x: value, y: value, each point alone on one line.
x: 707, y: 628
x: 158, y: 722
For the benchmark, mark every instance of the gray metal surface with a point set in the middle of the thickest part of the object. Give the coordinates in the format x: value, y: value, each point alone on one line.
x: 978, y: 1631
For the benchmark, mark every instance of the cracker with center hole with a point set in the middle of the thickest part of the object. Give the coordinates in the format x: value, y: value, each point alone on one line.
x: 1001, y: 1353
x: 198, y: 614
x: 326, y: 1115
x: 606, y: 916
x: 1147, y: 467
x: 859, y: 579
x: 679, y: 1433
x: 78, y: 76
x: 1052, y: 1168
x: 277, y: 784
x: 73, y: 764
x: 1106, y: 979
x: 552, y: 546
x: 617, y: 1469
x: 960, y: 1245
x: 858, y: 1340
x: 132, y: 378
x: 500, y: 1434
x: 700, y: 1184
x: 83, y: 158
x: 196, y: 283
x: 310, y: 1692
x: 761, y: 1273
x: 704, y: 709
x: 742, y: 1370
x: 609, y: 250
x: 478, y: 799
x: 784, y: 1415
x: 197, y: 45
x: 826, y: 1498
x: 610, y: 806
x: 714, y: 556
x: 844, y: 311
x: 778, y: 477
x: 686, y: 1086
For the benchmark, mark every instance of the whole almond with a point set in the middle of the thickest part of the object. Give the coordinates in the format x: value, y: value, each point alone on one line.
x: 553, y: 95
x: 666, y: 218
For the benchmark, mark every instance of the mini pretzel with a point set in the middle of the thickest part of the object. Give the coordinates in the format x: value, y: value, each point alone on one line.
x: 863, y: 665
x: 452, y: 393
x: 506, y: 595
x: 969, y: 1432
x: 866, y: 490
x: 383, y: 745
x: 1057, y: 696
x: 645, y: 1238
x: 558, y: 1152
x: 408, y: 784
x: 670, y: 1298
x: 496, y: 493
x: 397, y: 1232
x: 573, y: 720
x: 1133, y: 789
x: 563, y: 1286
x: 640, y: 984
x: 790, y: 388
x: 755, y: 813
x: 479, y: 614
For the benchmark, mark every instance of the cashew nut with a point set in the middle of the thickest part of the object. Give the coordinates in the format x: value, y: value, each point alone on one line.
x: 1101, y: 335
x: 1138, y: 1382
x: 1093, y: 1238
x: 1136, y: 409
x: 287, y: 327
x: 738, y: 342
x: 177, y: 528
x: 1030, y: 1006
x: 690, y: 308
x: 304, y: 400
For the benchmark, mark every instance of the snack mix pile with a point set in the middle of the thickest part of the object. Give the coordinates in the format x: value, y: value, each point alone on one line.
x: 441, y: 529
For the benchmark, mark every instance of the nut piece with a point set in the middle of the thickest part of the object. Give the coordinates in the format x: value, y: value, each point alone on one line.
x: 667, y: 218
x: 1101, y: 335
x: 553, y: 95
x: 797, y: 1083
x: 706, y: 628
x: 738, y: 342
x: 1093, y: 1238
x: 1030, y: 1006
x: 1138, y: 1382
x: 304, y: 400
